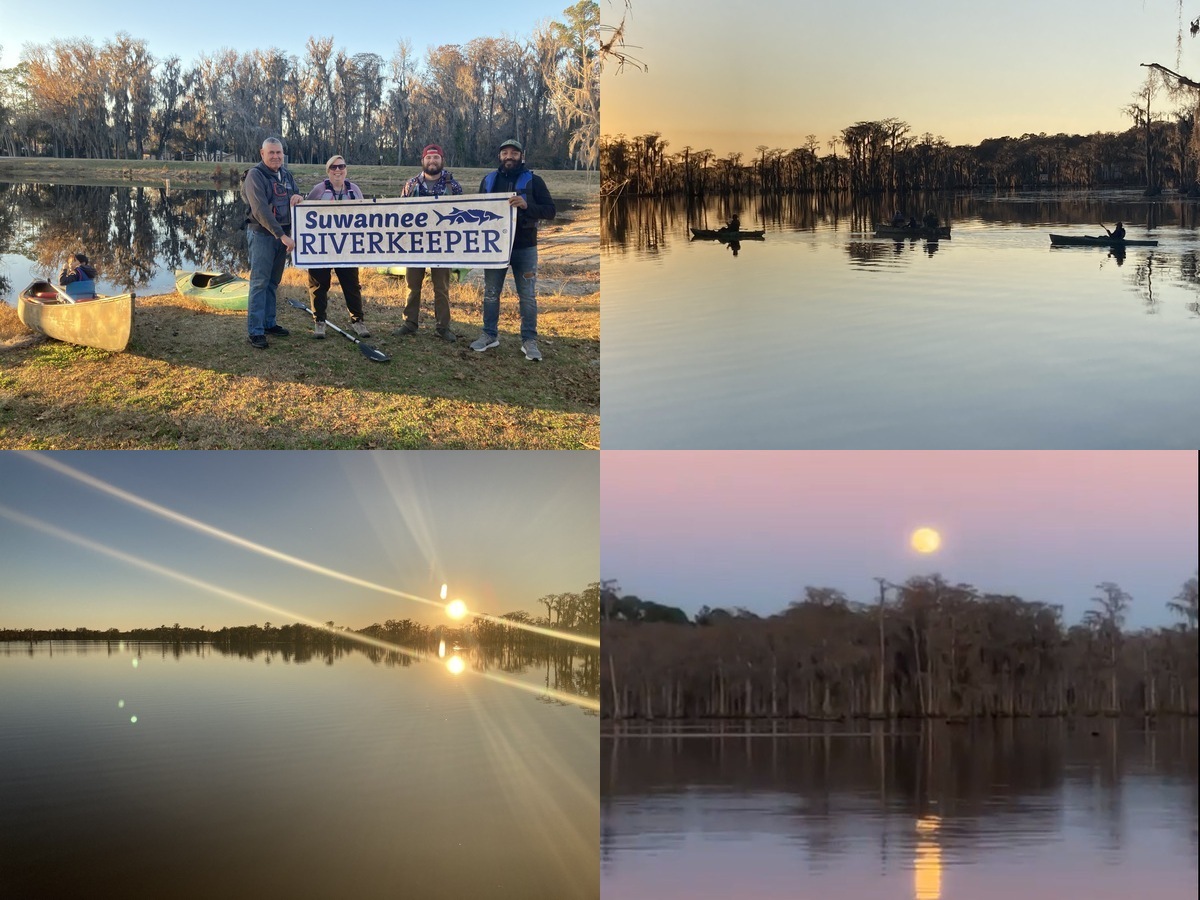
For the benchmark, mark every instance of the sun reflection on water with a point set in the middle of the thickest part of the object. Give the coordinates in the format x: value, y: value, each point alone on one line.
x: 927, y: 867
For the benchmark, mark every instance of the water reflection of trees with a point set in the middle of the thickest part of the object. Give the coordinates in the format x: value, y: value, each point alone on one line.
x: 1157, y: 270
x: 562, y: 668
x: 1003, y: 778
x: 128, y: 232
x: 639, y: 223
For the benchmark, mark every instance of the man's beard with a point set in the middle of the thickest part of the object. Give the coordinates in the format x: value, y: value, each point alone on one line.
x: 433, y: 169
x: 509, y: 164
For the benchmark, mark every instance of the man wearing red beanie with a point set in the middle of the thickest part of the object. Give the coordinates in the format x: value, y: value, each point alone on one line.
x: 434, y: 181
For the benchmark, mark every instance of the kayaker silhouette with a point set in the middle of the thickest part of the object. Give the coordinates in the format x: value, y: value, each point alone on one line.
x: 1118, y: 233
x: 735, y: 224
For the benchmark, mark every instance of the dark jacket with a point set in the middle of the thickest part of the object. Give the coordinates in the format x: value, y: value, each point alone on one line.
x: 541, y: 204
x: 72, y: 274
x: 268, y: 197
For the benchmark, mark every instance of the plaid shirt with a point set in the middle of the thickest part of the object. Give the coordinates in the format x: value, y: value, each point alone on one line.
x: 417, y: 186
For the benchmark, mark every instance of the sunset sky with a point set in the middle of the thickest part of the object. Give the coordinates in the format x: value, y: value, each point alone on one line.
x: 729, y: 78
x: 502, y: 529
x: 221, y: 24
x: 754, y: 529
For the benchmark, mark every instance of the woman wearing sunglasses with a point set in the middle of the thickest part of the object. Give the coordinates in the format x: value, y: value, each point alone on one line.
x: 336, y: 186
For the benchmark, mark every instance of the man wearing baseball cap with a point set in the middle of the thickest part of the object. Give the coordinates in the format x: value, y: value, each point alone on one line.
x: 433, y: 181
x: 532, y: 199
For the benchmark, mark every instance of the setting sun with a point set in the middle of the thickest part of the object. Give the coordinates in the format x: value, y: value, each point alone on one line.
x: 925, y: 540
x: 456, y: 609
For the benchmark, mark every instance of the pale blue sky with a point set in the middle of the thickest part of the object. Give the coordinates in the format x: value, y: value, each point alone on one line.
x: 730, y: 77
x: 188, y: 31
x: 502, y: 529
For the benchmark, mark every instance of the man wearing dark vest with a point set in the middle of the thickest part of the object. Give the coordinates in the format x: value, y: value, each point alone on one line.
x: 270, y: 193
x: 533, y: 202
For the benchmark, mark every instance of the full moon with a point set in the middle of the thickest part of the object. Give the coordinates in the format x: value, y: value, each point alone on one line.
x: 926, y: 540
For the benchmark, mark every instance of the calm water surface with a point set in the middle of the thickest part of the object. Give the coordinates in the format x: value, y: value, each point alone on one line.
x: 821, y: 336
x: 264, y: 777
x: 136, y: 236
x: 1036, y: 810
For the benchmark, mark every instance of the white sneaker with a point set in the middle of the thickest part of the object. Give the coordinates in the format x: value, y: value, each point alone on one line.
x: 485, y: 342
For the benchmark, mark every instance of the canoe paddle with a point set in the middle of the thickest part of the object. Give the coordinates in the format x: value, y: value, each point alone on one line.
x: 372, y: 353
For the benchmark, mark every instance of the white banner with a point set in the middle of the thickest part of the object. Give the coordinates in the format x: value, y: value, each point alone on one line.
x: 472, y: 231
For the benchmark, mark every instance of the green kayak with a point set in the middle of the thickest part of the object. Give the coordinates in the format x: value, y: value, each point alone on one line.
x: 219, y: 290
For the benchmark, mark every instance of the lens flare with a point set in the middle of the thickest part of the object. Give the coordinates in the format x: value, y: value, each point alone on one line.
x: 188, y: 522
x: 456, y: 609
x: 443, y: 592
x: 455, y: 665
x: 589, y: 703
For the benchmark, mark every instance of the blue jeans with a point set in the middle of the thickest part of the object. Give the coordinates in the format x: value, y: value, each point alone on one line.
x: 267, y: 258
x: 524, y: 269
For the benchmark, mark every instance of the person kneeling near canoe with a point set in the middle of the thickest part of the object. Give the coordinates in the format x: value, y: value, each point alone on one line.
x: 1118, y: 233
x: 79, y: 279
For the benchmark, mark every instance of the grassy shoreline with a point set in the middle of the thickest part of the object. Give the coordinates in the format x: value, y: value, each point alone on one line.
x: 189, y: 379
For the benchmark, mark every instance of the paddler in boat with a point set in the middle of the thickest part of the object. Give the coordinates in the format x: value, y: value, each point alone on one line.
x: 931, y: 219
x: 1118, y: 233
x: 898, y: 219
x: 735, y: 224
x: 79, y: 278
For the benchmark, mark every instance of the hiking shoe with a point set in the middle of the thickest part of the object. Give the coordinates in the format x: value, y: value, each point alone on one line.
x: 447, y: 335
x: 258, y: 341
x: 319, y: 330
x: 406, y: 329
x: 360, y: 328
x: 277, y: 330
x: 485, y: 342
x: 532, y: 353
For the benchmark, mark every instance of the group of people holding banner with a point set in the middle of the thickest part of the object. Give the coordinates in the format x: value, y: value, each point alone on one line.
x: 270, y: 192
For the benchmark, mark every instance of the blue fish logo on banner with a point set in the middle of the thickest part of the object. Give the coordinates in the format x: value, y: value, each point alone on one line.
x: 466, y: 230
x: 459, y: 216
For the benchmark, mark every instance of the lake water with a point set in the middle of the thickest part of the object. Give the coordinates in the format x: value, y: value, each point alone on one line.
x: 256, y: 775
x: 821, y: 336
x: 136, y: 236
x: 1039, y: 810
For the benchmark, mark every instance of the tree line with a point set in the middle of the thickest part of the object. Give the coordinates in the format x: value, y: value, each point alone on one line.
x: 925, y: 648
x: 115, y: 100
x: 884, y: 156
x: 574, y: 612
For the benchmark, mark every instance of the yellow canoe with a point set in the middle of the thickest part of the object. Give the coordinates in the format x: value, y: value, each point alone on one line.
x: 104, y: 323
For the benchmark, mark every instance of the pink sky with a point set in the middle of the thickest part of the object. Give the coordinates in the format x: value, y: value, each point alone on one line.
x: 754, y: 528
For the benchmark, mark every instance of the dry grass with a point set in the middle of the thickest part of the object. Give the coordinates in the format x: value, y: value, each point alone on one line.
x: 189, y: 379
